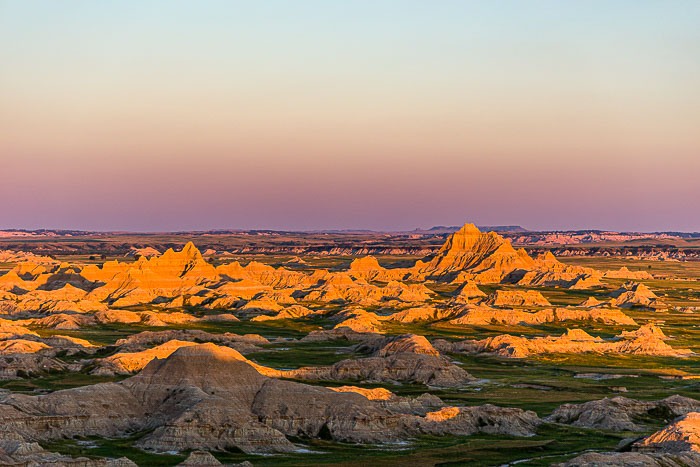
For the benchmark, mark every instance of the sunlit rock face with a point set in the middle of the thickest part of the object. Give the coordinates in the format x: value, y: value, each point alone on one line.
x: 472, y: 255
x: 488, y: 255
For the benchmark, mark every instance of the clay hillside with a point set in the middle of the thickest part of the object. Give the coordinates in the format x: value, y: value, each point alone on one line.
x: 466, y: 348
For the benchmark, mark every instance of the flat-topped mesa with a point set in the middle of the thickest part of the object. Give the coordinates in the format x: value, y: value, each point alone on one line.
x: 471, y: 250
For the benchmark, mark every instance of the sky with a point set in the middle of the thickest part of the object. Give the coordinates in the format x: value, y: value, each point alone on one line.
x: 388, y: 115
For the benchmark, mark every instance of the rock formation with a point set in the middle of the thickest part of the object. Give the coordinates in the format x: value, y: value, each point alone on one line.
x: 573, y: 341
x: 508, y: 298
x: 631, y: 294
x: 484, y: 315
x: 487, y: 256
x: 203, y: 386
x: 620, y: 413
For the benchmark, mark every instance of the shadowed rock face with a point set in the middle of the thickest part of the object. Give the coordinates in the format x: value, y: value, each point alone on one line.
x: 209, y: 397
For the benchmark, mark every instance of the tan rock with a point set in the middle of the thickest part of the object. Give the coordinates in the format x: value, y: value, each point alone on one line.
x: 131, y: 362
x: 368, y: 269
x: 570, y: 342
x: 681, y: 435
x: 506, y: 298
x: 292, y: 312
x: 421, y: 313
x: 408, y: 343
x: 620, y: 413
x: 624, y: 273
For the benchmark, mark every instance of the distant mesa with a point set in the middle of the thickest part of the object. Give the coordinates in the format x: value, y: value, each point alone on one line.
x: 442, y: 229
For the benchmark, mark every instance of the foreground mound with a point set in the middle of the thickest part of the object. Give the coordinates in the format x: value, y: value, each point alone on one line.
x: 209, y: 397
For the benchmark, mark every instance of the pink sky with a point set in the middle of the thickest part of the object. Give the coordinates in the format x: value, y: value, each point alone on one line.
x: 233, y: 117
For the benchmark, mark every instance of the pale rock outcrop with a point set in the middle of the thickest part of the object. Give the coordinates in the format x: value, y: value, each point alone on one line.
x: 258, y: 306
x: 201, y: 459
x: 676, y: 445
x: 343, y: 333
x: 11, y: 329
x: 231, y: 294
x: 487, y: 419
x: 620, y: 413
x: 30, y: 364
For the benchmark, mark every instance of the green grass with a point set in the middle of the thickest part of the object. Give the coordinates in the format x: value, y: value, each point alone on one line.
x: 56, y: 382
x: 479, y: 449
x: 551, y: 442
x: 113, y: 448
x: 298, y: 354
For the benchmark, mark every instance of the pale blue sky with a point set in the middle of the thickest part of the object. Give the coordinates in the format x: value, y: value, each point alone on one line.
x: 362, y: 114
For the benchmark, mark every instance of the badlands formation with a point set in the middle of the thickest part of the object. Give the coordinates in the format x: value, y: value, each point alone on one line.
x: 479, y: 353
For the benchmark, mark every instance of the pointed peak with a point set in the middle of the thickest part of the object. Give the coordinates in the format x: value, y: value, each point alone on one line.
x: 190, y: 250
x: 469, y: 229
